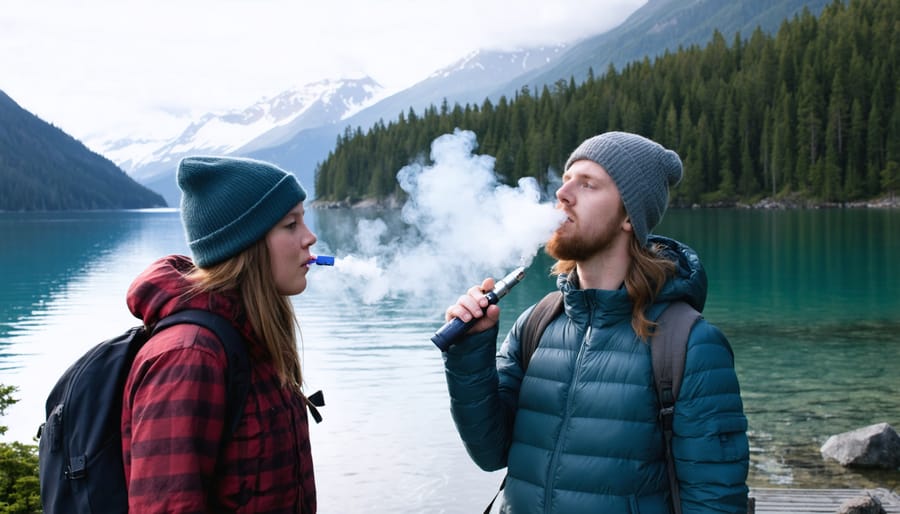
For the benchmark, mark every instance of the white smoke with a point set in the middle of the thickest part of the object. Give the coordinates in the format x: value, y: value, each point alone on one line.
x: 463, y: 225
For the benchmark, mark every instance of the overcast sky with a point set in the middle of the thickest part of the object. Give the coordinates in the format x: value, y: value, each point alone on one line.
x: 99, y: 67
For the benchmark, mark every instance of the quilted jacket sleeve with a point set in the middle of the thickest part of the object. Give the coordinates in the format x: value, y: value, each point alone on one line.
x: 482, y: 404
x: 710, y: 430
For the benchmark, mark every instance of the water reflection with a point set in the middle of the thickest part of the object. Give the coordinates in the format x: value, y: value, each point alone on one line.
x: 43, y: 253
x: 799, y: 266
x: 808, y: 299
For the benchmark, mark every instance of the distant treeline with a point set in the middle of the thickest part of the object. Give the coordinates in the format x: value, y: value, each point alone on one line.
x: 812, y: 111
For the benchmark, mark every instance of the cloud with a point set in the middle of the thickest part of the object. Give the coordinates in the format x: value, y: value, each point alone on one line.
x: 103, y: 66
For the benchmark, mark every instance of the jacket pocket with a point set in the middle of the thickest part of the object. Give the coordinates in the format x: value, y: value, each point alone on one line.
x: 731, y: 432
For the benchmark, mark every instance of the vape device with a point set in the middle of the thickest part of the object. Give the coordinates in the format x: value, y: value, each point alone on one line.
x: 455, y: 328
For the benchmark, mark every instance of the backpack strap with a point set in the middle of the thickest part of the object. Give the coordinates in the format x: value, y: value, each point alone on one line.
x: 238, y: 374
x: 487, y: 510
x: 543, y: 313
x: 668, y: 348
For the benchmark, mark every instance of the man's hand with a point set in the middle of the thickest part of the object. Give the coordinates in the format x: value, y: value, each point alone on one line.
x: 474, y: 305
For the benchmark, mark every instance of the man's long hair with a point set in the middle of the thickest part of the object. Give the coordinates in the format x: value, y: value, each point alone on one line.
x: 647, y: 274
x: 646, y: 277
x: 271, y: 314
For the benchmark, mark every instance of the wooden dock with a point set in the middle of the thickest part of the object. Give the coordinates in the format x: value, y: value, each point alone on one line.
x: 816, y: 501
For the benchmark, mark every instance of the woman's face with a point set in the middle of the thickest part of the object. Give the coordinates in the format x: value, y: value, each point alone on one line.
x: 288, y: 243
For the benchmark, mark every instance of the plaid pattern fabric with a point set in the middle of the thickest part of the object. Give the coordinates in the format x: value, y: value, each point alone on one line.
x: 173, y: 416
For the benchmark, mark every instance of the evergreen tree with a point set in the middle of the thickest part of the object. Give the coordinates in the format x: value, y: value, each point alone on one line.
x: 811, y: 110
x: 19, y: 482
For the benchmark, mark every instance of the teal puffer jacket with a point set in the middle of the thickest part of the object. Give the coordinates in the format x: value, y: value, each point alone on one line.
x: 579, y: 432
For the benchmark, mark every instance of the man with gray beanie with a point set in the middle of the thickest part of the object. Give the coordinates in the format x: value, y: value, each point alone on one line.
x: 576, y: 420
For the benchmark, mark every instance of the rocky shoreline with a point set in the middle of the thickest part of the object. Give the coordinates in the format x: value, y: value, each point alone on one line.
x: 887, y: 202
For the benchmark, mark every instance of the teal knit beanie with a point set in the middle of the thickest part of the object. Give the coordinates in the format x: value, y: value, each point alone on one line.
x: 227, y: 204
x: 643, y: 171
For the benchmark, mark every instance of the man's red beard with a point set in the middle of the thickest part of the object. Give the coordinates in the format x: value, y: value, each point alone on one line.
x: 576, y: 247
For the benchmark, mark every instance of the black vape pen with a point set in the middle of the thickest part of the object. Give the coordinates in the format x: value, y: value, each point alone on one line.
x: 453, y: 329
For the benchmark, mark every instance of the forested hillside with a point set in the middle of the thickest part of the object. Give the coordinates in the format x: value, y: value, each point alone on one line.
x: 812, y: 111
x: 44, y: 169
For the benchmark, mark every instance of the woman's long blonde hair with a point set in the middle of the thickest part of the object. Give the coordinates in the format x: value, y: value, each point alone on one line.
x: 647, y: 274
x: 271, y: 314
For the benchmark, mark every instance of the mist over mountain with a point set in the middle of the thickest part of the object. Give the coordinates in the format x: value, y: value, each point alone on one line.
x: 468, y: 80
x: 268, y: 122
x: 657, y: 27
x: 662, y: 25
x: 298, y: 128
x: 320, y: 112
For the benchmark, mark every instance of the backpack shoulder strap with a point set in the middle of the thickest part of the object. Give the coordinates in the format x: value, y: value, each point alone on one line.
x: 668, y: 349
x: 238, y: 378
x: 544, y: 312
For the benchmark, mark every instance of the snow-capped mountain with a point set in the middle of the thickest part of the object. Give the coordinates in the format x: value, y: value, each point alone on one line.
x: 471, y: 80
x: 267, y: 122
x: 512, y: 63
x: 317, y: 113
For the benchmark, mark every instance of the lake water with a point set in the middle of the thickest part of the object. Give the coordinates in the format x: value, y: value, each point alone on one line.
x: 810, y: 301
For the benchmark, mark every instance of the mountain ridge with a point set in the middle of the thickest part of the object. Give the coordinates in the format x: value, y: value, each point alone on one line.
x: 298, y: 134
x: 309, y: 147
x: 44, y: 169
x: 238, y: 130
x: 659, y: 26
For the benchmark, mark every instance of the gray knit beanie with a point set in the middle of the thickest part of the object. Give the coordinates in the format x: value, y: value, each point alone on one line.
x: 227, y: 204
x: 643, y: 171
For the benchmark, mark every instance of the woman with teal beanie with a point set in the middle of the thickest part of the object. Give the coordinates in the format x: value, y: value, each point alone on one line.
x: 578, y: 429
x: 250, y: 251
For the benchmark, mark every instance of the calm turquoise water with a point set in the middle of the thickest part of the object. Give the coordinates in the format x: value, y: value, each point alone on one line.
x: 810, y: 301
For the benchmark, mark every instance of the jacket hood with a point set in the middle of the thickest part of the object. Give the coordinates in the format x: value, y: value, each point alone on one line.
x: 689, y: 283
x: 163, y: 289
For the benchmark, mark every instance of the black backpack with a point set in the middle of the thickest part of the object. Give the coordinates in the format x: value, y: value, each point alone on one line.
x: 668, y: 349
x: 80, y: 447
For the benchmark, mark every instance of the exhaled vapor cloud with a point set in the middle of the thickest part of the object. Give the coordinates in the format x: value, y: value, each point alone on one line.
x: 463, y: 225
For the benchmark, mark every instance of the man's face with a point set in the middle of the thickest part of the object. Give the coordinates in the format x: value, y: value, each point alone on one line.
x: 596, y: 215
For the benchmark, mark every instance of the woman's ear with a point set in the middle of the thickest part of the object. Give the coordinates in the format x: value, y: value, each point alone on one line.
x: 626, y: 225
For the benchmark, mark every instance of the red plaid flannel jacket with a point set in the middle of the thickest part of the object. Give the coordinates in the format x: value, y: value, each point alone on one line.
x: 174, y: 413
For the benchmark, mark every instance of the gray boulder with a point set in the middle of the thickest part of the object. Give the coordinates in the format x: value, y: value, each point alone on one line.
x: 874, y: 446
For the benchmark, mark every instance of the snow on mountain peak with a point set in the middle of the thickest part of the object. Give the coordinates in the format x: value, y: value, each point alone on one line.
x: 322, y: 102
x: 522, y: 60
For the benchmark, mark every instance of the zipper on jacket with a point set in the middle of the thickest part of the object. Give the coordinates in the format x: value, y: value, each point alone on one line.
x: 551, y: 470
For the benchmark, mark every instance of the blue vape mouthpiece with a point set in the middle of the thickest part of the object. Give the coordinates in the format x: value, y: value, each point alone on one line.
x: 322, y: 260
